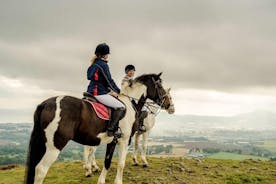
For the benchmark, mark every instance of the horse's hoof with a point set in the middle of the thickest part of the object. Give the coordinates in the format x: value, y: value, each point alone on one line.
x: 135, y: 164
x: 88, y: 175
x: 145, y: 165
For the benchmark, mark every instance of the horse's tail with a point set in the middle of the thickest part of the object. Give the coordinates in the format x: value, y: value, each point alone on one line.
x: 36, y: 146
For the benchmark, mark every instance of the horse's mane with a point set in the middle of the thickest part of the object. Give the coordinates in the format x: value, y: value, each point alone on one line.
x: 145, y: 77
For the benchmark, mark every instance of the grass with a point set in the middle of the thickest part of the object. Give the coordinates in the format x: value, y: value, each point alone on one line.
x: 234, y: 156
x: 161, y: 170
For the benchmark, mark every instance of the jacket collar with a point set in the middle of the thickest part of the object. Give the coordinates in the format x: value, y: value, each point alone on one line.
x: 99, y: 59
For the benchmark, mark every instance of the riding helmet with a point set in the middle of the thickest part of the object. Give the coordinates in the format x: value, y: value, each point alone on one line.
x: 129, y: 67
x: 102, y: 49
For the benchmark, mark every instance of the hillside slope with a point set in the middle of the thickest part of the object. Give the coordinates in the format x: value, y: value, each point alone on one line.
x: 161, y: 170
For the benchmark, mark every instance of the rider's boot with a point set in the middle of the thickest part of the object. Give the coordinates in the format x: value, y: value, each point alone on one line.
x: 116, y: 116
x: 141, y: 118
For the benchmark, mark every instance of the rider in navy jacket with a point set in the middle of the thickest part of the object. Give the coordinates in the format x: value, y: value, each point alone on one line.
x: 100, y: 78
x: 101, y: 84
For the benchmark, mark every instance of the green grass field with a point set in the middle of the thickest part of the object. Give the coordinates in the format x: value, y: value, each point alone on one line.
x: 161, y: 170
x: 233, y: 156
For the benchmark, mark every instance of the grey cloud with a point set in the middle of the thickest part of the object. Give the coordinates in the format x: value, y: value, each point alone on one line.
x: 199, y: 44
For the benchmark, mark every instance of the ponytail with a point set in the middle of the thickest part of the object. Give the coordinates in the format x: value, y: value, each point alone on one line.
x: 92, y: 60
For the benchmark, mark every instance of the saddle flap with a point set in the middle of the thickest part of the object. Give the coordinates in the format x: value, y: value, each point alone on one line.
x: 101, y: 110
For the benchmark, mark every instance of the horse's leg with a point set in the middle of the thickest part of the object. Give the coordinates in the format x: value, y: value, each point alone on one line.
x: 110, y: 148
x: 136, y: 148
x: 90, y: 160
x: 42, y: 168
x: 55, y: 142
x: 121, y: 161
x: 144, y: 149
x: 87, y: 160
x: 95, y: 167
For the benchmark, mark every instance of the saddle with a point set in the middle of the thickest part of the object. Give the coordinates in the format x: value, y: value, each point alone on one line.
x: 101, y: 110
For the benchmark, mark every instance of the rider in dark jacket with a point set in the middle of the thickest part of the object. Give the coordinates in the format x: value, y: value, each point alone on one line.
x: 101, y: 84
x: 100, y: 78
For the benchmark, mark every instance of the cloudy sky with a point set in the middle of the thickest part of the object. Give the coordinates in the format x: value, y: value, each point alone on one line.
x: 218, y: 56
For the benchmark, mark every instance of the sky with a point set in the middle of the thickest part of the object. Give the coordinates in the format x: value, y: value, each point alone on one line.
x: 218, y: 56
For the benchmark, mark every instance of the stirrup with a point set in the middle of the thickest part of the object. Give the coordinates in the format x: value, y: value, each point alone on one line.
x: 117, y: 134
x: 110, y: 133
x: 142, y: 129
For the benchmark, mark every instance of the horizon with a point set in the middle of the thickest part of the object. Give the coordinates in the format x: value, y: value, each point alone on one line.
x: 164, y: 114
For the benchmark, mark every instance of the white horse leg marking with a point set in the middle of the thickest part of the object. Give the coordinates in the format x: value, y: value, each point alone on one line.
x: 102, y: 177
x: 52, y: 152
x: 136, y: 147
x: 90, y: 160
x: 144, y: 149
x: 123, y: 147
x: 92, y: 156
x: 94, y: 162
x: 42, y: 168
x: 87, y: 160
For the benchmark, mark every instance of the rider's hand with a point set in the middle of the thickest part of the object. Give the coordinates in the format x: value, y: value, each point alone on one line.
x: 114, y: 94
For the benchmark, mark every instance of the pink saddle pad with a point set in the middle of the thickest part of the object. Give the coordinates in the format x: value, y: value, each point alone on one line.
x: 101, y: 110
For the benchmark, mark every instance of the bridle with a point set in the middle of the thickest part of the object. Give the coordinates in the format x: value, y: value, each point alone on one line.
x: 161, y: 95
x: 160, y: 102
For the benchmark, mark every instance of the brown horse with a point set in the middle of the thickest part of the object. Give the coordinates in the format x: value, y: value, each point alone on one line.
x: 60, y: 119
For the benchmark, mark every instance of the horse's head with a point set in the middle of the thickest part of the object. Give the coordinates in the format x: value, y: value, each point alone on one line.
x: 171, y: 109
x: 155, y: 90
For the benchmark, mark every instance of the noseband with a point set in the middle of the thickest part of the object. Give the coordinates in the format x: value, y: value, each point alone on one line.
x: 161, y: 95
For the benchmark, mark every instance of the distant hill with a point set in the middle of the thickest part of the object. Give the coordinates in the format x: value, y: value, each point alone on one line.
x: 257, y: 120
x: 253, y: 121
x: 161, y: 171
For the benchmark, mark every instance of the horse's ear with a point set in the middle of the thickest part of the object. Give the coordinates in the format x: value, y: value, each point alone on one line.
x: 159, y: 74
x: 169, y: 89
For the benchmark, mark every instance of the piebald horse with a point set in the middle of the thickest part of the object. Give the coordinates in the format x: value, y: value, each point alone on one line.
x: 60, y: 119
x: 149, y: 122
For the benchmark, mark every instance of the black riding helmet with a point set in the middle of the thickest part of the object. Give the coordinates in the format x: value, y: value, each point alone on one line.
x: 102, y: 49
x: 129, y: 67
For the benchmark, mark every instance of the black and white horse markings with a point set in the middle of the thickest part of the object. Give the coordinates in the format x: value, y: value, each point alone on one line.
x: 149, y: 122
x: 60, y: 119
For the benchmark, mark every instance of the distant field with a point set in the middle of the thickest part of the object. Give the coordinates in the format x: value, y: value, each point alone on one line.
x: 269, y: 145
x: 233, y: 156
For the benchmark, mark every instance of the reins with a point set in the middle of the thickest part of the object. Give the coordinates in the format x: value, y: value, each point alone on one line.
x: 150, y: 104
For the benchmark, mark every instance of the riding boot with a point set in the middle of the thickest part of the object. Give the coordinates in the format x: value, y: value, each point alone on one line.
x: 116, y: 116
x: 141, y: 118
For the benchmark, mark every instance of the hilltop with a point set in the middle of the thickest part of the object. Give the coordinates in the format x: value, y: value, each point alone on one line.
x: 161, y: 170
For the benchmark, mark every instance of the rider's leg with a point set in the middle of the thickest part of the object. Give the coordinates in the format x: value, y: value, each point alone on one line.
x: 116, y: 116
x: 118, y: 112
x: 141, y: 117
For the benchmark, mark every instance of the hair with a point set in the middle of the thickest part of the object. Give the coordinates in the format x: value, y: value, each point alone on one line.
x: 94, y: 57
x: 92, y: 60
